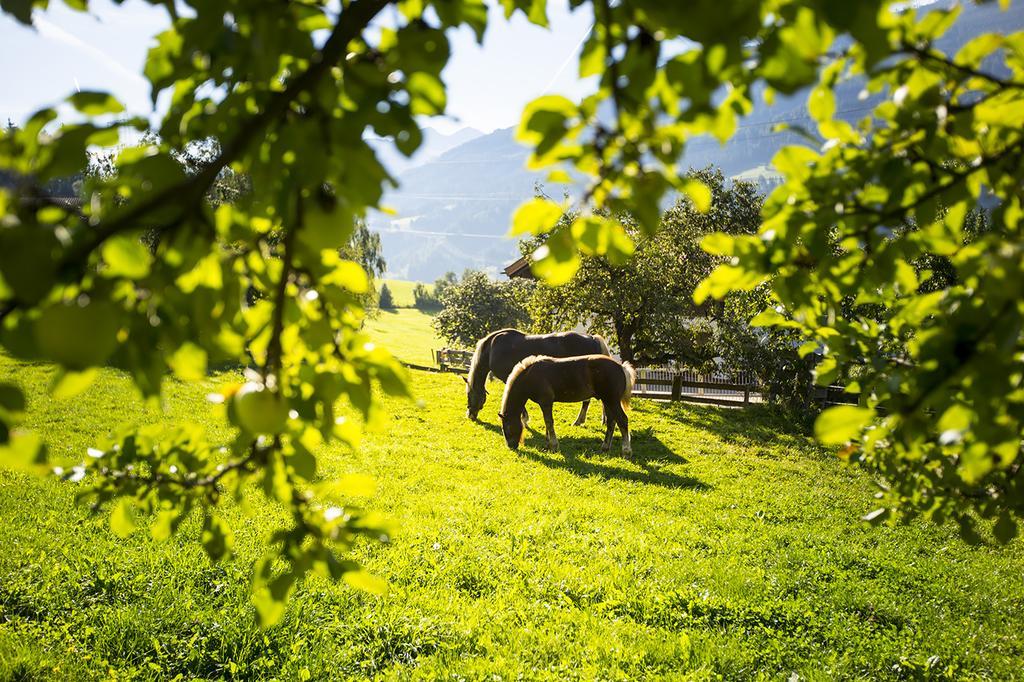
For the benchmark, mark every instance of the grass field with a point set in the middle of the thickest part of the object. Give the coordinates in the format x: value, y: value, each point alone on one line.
x: 407, y: 333
x: 401, y: 291
x: 729, y: 549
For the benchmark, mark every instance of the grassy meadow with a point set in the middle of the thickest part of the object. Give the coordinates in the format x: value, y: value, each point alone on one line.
x: 407, y: 333
x: 401, y: 291
x: 730, y: 549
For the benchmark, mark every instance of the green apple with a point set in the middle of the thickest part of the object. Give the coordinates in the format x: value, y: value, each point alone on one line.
x: 260, y: 410
x: 77, y: 336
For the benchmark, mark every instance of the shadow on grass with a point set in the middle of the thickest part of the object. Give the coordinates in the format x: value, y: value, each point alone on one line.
x: 757, y: 424
x: 580, y: 455
x: 585, y: 468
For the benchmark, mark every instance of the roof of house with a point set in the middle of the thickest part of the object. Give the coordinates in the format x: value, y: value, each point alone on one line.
x: 520, y: 268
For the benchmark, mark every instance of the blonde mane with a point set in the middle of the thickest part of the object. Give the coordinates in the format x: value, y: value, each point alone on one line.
x: 516, y: 371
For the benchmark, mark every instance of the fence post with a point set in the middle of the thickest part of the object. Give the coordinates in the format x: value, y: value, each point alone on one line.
x: 746, y: 394
x: 677, y: 386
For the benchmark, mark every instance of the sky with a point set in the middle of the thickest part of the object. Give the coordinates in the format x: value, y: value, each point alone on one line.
x: 488, y: 85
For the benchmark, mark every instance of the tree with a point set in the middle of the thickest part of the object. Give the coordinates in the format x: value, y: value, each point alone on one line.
x: 442, y: 283
x: 386, y: 302
x: 423, y: 298
x: 290, y: 90
x: 478, y: 305
x: 645, y: 305
x: 430, y: 299
x: 935, y: 356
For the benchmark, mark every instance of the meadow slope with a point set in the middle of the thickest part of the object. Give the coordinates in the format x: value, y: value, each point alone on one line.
x: 730, y: 549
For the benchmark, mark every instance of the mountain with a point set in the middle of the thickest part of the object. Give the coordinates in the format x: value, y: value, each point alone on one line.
x: 453, y: 210
x: 434, y: 144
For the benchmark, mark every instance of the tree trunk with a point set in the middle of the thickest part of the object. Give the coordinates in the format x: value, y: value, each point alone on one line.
x: 624, y: 335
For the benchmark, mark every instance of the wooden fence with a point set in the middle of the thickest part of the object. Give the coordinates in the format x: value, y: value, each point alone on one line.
x: 453, y: 360
x: 659, y: 383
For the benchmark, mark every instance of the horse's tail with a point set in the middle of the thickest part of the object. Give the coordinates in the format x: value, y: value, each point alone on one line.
x: 630, y: 373
x: 605, y: 350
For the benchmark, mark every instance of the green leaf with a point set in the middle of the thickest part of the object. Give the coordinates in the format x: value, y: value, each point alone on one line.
x: 188, y: 362
x: 355, y: 485
x: 725, y: 278
x: 350, y: 275
x: 719, y: 244
x: 536, y: 216
x: 19, y: 9
x: 326, y: 227
x: 270, y: 595
x: 12, y: 399
x: 1005, y: 528
x: 125, y: 256
x: 122, y: 517
x: 93, y: 103
x: 68, y: 384
x: 302, y: 462
x: 361, y: 580
x: 699, y: 194
x: 25, y: 452
x: 592, y: 57
x: 218, y: 539
x: 557, y: 260
x: 427, y: 94
x: 840, y: 424
x: 821, y: 104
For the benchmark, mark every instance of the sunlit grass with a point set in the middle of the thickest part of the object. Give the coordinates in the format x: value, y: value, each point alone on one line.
x: 407, y: 333
x: 731, y: 548
x: 401, y: 291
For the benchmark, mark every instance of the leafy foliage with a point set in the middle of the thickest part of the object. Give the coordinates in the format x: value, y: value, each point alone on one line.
x: 849, y: 244
x: 427, y: 298
x: 478, y: 305
x: 645, y: 305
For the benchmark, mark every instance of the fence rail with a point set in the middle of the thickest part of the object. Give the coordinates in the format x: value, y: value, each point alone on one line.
x: 731, y: 388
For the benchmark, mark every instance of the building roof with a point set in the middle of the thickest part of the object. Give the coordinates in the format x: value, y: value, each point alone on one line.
x: 520, y: 268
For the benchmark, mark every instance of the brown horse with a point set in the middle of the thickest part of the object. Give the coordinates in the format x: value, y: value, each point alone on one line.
x: 546, y: 380
x: 500, y: 351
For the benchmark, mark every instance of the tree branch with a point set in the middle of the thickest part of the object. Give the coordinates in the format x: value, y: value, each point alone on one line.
x: 352, y: 21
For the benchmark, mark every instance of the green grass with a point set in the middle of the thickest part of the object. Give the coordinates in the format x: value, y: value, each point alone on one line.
x: 407, y: 333
x: 730, y: 549
x: 401, y: 291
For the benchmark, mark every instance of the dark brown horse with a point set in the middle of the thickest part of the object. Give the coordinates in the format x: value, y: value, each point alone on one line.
x: 499, y: 352
x: 546, y: 381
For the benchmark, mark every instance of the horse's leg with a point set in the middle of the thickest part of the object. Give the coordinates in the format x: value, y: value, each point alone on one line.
x: 623, y: 421
x: 526, y: 416
x: 582, y: 417
x: 609, y: 428
x: 549, y: 422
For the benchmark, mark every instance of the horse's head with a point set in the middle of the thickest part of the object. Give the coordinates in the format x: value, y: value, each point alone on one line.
x: 512, y: 429
x: 475, y: 399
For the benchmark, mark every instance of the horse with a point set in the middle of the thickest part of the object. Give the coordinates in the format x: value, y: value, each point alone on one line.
x: 547, y: 380
x: 499, y: 352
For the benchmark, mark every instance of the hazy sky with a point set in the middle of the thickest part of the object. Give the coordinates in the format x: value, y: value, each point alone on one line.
x: 105, y: 50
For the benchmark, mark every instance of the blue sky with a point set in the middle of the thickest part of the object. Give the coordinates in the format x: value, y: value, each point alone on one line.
x: 488, y: 85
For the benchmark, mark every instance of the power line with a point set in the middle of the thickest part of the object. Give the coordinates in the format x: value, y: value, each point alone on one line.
x: 430, y: 233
